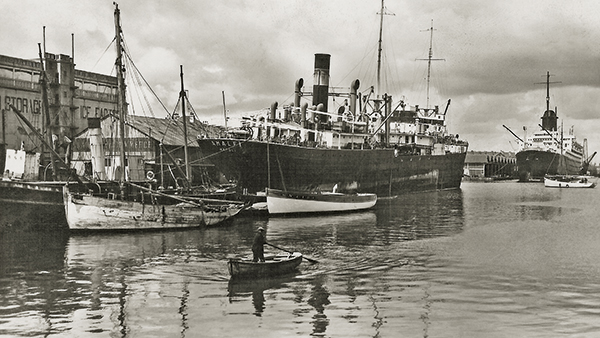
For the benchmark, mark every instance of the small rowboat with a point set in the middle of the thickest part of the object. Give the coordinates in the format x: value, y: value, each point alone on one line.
x: 274, y: 265
x: 296, y: 202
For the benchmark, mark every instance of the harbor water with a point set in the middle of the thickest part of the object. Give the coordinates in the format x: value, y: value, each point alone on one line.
x: 489, y: 260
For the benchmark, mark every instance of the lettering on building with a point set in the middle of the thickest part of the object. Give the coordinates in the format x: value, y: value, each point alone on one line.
x: 23, y: 104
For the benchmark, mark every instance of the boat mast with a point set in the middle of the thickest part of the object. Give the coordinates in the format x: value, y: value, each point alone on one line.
x: 429, y: 59
x: 547, y: 83
x: 46, y: 113
x: 224, y: 110
x: 379, y: 48
x: 380, y: 45
x: 547, y: 91
x: 121, y: 104
x: 182, y: 95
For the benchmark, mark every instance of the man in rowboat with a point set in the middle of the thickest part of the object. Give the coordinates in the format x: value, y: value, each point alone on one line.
x: 258, y: 251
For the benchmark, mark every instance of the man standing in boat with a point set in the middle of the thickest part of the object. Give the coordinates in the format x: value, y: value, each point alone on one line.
x: 258, y: 250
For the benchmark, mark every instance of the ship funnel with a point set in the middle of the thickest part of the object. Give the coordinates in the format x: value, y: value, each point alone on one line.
x: 353, y: 95
x: 321, y: 80
x: 549, y: 120
x: 303, y: 114
x: 274, y: 110
x: 96, y: 149
x: 298, y: 92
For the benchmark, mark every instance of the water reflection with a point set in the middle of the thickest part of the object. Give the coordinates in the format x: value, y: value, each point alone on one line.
x: 421, y: 215
x: 240, y: 289
x: 418, y: 264
x: 410, y: 217
x: 31, y: 280
x: 318, y: 299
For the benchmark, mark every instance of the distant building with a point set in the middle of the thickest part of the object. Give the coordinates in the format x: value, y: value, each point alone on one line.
x: 73, y: 96
x: 487, y: 164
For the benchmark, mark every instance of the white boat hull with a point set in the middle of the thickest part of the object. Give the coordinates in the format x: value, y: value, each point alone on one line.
x: 279, y: 202
x: 569, y: 182
x: 86, y: 212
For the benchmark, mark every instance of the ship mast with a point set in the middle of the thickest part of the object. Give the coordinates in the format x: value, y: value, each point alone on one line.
x: 379, y: 46
x: 46, y: 114
x: 121, y: 103
x: 547, y: 83
x: 182, y: 95
x: 429, y: 59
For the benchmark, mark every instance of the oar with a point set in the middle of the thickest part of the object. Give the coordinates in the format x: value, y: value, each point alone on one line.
x: 282, y: 249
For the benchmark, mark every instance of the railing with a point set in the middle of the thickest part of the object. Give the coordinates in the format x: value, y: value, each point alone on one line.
x: 20, y: 84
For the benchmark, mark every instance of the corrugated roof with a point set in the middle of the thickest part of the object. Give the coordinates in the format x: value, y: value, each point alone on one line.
x: 473, y: 157
x: 170, y: 131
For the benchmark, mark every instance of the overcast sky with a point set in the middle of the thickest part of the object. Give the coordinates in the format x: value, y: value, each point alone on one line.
x: 495, y: 53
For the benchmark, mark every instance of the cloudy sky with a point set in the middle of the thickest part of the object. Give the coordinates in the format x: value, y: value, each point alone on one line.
x: 495, y: 53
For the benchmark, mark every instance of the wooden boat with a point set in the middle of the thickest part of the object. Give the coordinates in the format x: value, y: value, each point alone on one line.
x: 274, y: 265
x: 569, y: 181
x: 219, y: 213
x: 287, y: 202
x: 88, y: 212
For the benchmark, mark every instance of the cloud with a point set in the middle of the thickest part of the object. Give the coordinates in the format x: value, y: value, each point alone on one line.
x: 496, y: 53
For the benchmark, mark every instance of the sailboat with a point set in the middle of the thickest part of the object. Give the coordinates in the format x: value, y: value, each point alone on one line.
x: 150, y: 209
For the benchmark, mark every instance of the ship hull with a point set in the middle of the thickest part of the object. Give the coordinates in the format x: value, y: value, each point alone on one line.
x: 33, y: 203
x: 535, y: 164
x: 257, y: 165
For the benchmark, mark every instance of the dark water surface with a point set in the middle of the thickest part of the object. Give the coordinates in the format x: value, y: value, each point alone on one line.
x: 489, y: 260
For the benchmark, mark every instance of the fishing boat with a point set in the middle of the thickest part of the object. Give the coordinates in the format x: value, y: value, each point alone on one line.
x: 569, y: 181
x: 369, y: 143
x: 288, y: 202
x: 274, y: 265
x: 549, y: 148
x: 89, y: 212
x: 147, y: 208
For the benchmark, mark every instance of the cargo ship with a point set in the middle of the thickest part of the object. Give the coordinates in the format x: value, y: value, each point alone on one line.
x: 551, y: 151
x: 367, y: 144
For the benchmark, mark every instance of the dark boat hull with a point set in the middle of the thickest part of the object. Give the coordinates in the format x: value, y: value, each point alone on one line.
x: 384, y: 172
x: 31, y: 203
x: 244, y: 268
x: 535, y: 164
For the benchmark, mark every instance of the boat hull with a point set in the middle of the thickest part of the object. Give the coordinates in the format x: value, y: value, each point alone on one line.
x: 564, y: 181
x: 280, y: 202
x: 34, y: 202
x: 383, y: 172
x: 273, y: 266
x: 535, y: 164
x: 87, y: 212
x: 217, y: 214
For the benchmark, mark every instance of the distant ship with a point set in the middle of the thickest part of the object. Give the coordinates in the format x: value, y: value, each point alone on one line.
x: 550, y: 151
x: 368, y: 144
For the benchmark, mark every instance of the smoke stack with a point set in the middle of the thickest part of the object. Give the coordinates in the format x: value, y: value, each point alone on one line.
x: 353, y: 94
x: 96, y: 148
x: 298, y: 92
x: 274, y: 111
x: 303, y: 115
x: 321, y: 80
